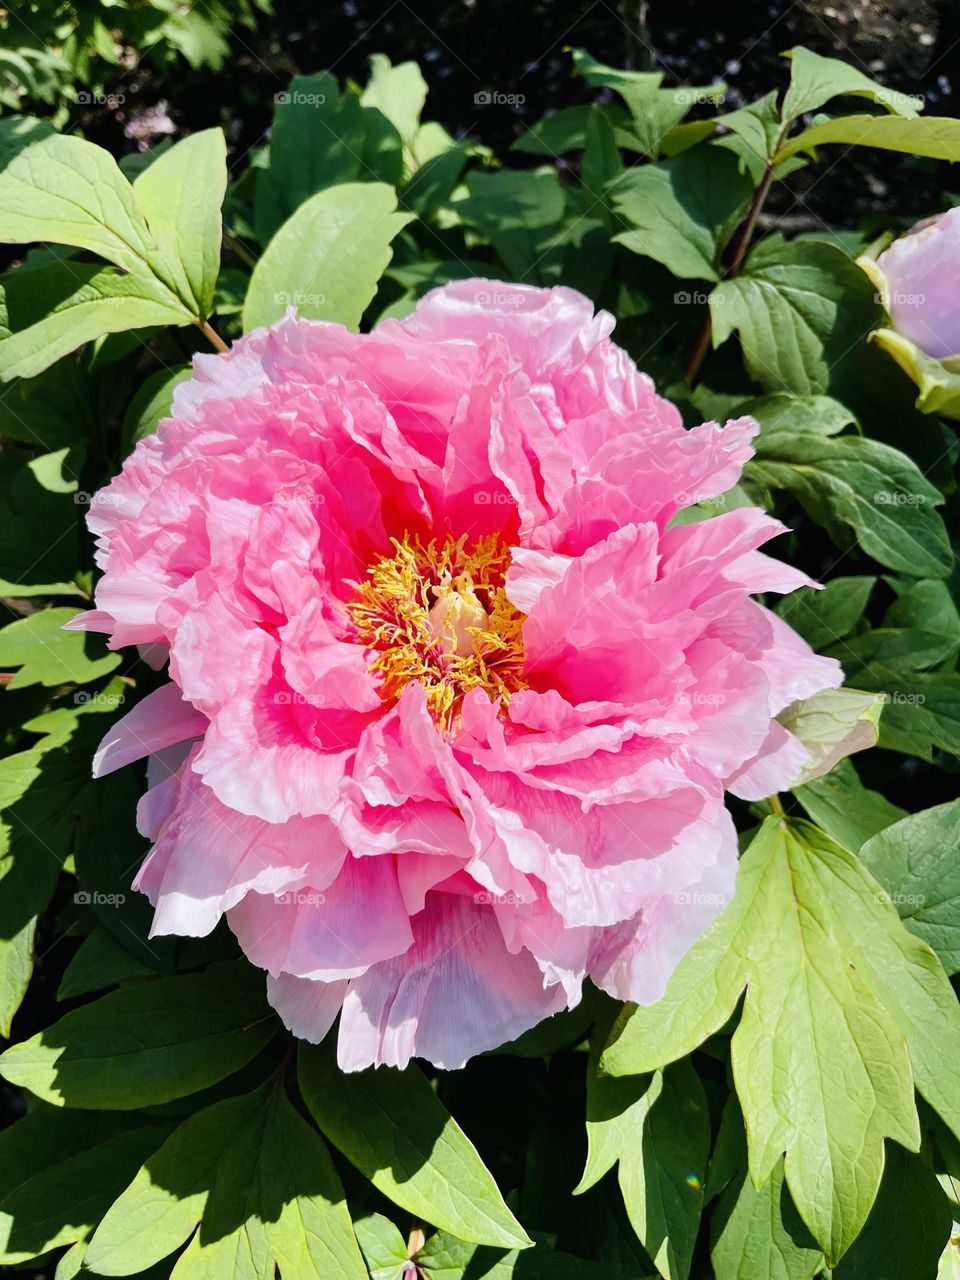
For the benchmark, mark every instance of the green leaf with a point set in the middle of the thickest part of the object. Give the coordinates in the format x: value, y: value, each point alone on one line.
x: 758, y: 1234
x: 327, y: 259
x: 68, y: 191
x: 444, y: 1258
x: 153, y: 401
x: 39, y: 524
x: 908, y: 1227
x: 316, y: 142
x: 935, y: 136
x: 520, y: 213
x: 877, y: 492
x: 832, y: 725
x: 782, y: 411
x: 384, y: 1248
x: 659, y: 1130
x: 180, y: 195
x: 262, y: 1187
x: 922, y: 711
x: 50, y: 411
x: 47, y: 312
x: 392, y: 1126
x: 147, y: 1044
x: 565, y: 131
x: 100, y: 961
x: 398, y: 93
x: 683, y: 211
x: 758, y: 127
x: 800, y: 309
x: 814, y: 80
x: 60, y: 1174
x: 815, y: 1011
x: 845, y: 808
x: 48, y: 655
x: 824, y: 617
x: 41, y: 794
x: 917, y: 860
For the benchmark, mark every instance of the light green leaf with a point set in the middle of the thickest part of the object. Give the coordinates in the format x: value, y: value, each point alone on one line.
x: 180, y: 195
x: 327, y: 259
x: 849, y: 482
x: 832, y: 725
x: 392, y: 1126
x: 48, y: 655
x: 397, y: 92
x: 384, y: 1248
x: 922, y: 711
x: 68, y: 191
x: 683, y: 211
x: 800, y: 309
x: 845, y: 808
x: 659, y: 1130
x: 758, y: 1234
x: 935, y: 136
x: 147, y: 1044
x: 262, y: 1187
x: 814, y: 80
x: 917, y: 860
x: 816, y: 1010
x: 60, y: 1174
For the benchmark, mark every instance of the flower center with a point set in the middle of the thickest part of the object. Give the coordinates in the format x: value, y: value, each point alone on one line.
x: 439, y: 614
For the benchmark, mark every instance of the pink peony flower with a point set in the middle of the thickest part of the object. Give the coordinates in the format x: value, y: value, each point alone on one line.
x: 452, y: 705
x: 919, y: 273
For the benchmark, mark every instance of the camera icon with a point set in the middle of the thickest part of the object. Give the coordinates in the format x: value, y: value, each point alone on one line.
x: 482, y: 98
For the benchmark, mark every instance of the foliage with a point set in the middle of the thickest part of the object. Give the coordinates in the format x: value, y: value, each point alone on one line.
x: 792, y: 1104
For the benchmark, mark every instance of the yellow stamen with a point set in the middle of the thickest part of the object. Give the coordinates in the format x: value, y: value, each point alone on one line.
x: 438, y: 613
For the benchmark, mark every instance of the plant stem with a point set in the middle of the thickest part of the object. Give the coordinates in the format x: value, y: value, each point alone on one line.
x: 739, y: 253
x: 239, y: 249
x: 211, y: 335
x: 775, y: 805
